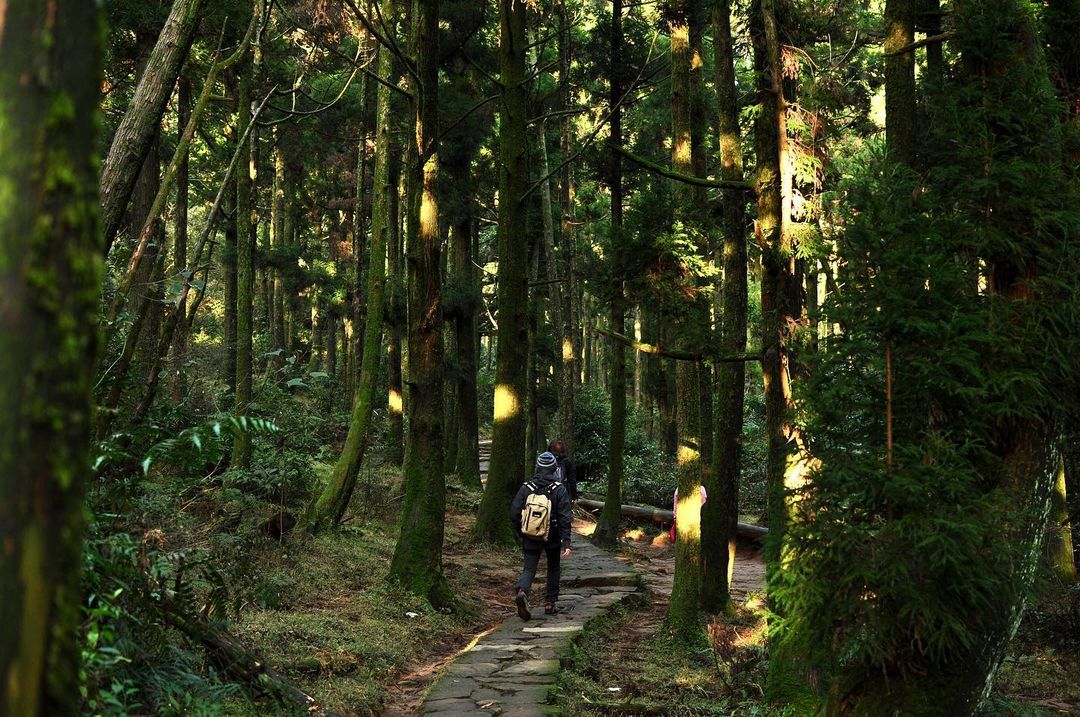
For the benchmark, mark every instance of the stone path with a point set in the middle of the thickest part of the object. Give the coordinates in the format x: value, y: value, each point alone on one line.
x: 510, y: 671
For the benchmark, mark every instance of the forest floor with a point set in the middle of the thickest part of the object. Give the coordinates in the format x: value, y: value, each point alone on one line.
x: 329, y: 623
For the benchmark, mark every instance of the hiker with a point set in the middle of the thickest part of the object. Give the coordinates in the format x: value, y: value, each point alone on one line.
x: 540, y: 516
x: 567, y: 469
x: 675, y: 510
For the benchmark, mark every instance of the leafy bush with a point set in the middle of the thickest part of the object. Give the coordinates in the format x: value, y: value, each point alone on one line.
x: 649, y: 474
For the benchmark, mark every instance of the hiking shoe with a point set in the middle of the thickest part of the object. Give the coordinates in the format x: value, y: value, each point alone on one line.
x: 551, y: 608
x: 522, y: 602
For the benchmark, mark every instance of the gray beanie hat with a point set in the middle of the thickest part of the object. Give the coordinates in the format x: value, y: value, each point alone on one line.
x: 545, y: 461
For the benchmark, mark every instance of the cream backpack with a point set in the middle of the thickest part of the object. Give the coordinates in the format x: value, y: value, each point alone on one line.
x: 536, y: 515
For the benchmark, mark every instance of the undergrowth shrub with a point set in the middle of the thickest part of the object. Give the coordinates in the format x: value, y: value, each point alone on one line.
x: 649, y: 474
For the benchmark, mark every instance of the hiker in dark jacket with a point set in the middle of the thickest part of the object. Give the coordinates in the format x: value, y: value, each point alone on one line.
x: 545, y: 500
x: 566, y: 467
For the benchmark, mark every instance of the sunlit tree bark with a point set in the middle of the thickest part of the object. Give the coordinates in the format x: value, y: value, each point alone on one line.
x: 685, y: 595
x: 720, y: 514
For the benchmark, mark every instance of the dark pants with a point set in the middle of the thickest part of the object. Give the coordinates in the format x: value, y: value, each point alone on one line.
x: 532, y: 561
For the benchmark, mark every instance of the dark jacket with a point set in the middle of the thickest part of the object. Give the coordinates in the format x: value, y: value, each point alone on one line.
x: 569, y: 473
x: 561, y: 522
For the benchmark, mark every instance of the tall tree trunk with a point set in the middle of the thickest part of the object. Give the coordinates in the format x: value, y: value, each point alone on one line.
x: 569, y: 328
x: 246, y: 223
x: 507, y: 446
x: 900, y: 80
x: 607, y: 527
x: 720, y: 513
x: 228, y: 275
x: 363, y: 209
x: 330, y: 506
x: 278, y: 241
x: 395, y: 398
x: 685, y: 594
x: 50, y: 271
x: 417, y: 562
x: 180, y: 230
x: 140, y: 123
x: 467, y: 465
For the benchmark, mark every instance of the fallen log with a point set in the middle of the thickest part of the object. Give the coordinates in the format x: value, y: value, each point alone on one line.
x: 241, y: 663
x: 659, y: 515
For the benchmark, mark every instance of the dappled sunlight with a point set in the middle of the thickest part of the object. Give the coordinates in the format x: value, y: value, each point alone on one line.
x: 687, y: 454
x: 429, y: 215
x: 689, y: 517
x: 395, y: 403
x: 507, y: 405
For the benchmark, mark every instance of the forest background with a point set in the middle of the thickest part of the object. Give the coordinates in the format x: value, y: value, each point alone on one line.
x: 820, y: 257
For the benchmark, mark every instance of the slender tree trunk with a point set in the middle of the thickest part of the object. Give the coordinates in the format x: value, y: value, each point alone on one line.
x: 50, y: 271
x: 228, y: 275
x: 507, y: 447
x: 721, y: 512
x: 607, y: 527
x: 417, y: 562
x: 246, y: 223
x: 140, y: 123
x: 278, y: 242
x: 468, y: 434
x: 685, y: 594
x: 330, y: 506
x: 180, y: 230
x: 362, y: 212
x: 395, y: 398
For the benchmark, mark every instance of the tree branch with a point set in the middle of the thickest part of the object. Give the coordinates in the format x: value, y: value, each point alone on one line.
x: 921, y: 43
x: 679, y: 177
x: 675, y: 354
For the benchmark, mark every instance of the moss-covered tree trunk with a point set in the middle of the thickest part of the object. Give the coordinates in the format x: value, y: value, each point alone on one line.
x: 180, y: 231
x: 721, y: 513
x: 50, y: 274
x: 228, y: 278
x: 467, y: 465
x: 683, y: 616
x: 769, y: 129
x: 569, y: 327
x: 607, y: 527
x: 396, y: 310
x: 277, y: 243
x: 140, y: 123
x: 330, y: 505
x: 417, y: 562
x: 246, y: 222
x: 508, y: 434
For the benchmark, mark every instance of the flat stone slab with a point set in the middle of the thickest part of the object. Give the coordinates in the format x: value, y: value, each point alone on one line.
x: 555, y: 629
x: 606, y: 579
x: 510, y: 671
